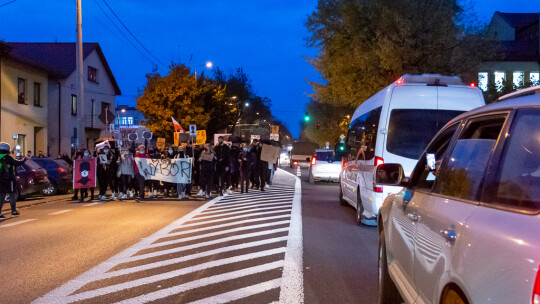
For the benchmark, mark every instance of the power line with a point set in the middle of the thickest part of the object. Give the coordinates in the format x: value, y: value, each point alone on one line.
x: 7, y: 3
x: 118, y: 18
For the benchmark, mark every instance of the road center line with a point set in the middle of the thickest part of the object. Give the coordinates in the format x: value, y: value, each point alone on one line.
x: 90, y: 205
x: 16, y: 223
x: 60, y: 212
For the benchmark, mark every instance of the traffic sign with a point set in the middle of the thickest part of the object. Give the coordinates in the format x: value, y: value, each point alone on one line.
x: 342, y: 138
x: 327, y: 145
x: 193, y: 130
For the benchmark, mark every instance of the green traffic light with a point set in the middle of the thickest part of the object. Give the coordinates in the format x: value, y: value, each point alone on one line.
x: 307, y: 118
x: 342, y: 148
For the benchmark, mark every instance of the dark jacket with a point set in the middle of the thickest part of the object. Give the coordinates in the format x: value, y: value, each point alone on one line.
x: 223, y: 155
x: 235, y: 154
x: 106, y: 167
x: 247, y: 160
x: 7, y: 172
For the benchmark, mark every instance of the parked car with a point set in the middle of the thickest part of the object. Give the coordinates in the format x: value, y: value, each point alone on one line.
x: 31, y: 179
x: 395, y: 125
x: 59, y: 173
x: 325, y: 166
x: 464, y: 228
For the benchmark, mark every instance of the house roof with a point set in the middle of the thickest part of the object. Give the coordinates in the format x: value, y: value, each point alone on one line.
x: 58, y: 59
x: 519, y: 20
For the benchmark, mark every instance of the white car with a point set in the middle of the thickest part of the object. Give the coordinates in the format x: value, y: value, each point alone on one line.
x: 324, y: 166
x: 395, y: 125
x: 465, y: 228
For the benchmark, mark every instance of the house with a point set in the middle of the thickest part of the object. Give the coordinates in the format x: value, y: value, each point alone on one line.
x: 58, y: 60
x: 23, y: 103
x: 517, y: 36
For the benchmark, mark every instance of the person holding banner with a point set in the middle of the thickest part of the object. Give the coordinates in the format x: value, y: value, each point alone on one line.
x: 83, y: 154
x: 141, y: 152
x: 208, y: 167
x: 235, y: 166
x: 181, y: 187
x: 246, y: 160
x: 153, y: 185
x: 105, y: 172
x: 168, y: 154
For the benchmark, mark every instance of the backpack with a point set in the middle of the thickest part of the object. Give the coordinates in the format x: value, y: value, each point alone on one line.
x: 5, y: 169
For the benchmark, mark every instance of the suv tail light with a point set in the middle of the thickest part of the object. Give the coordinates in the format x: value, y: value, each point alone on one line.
x: 378, y: 161
x: 295, y: 163
x: 313, y: 160
x: 61, y: 170
x: 536, y: 289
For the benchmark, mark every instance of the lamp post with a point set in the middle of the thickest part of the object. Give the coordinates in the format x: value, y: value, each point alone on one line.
x: 208, y: 65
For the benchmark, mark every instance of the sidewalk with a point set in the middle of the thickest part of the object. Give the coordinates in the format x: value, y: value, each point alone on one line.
x: 38, y: 200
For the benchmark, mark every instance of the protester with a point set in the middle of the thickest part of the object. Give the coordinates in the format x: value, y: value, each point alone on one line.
x: 83, y: 154
x: 190, y: 152
x: 126, y: 172
x: 115, y: 181
x: 141, y: 153
x: 197, y: 175
x: 261, y: 167
x: 253, y: 177
x: 66, y: 158
x: 153, y: 185
x: 8, y: 183
x: 246, y: 160
x: 105, y: 172
x: 168, y: 154
x: 181, y: 187
x: 41, y: 155
x: 223, y: 165
x: 208, y: 167
x: 235, y: 166
x: 29, y: 154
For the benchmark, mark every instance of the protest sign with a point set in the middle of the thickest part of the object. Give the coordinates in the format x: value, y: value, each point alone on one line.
x: 176, y: 171
x: 270, y: 153
x: 274, y: 137
x: 160, y: 143
x: 180, y: 138
x: 84, y: 173
x: 201, y: 137
x: 257, y: 137
x: 208, y: 156
x: 225, y: 139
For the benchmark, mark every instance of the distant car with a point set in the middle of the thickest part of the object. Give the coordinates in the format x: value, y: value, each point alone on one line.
x: 59, y: 173
x: 301, y: 153
x: 325, y: 166
x: 464, y: 228
x: 31, y: 179
x: 284, y: 159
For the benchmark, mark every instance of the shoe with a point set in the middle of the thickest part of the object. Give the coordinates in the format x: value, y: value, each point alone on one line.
x: 201, y: 193
x: 262, y: 189
x: 15, y: 213
x: 180, y: 196
x: 103, y: 198
x: 2, y: 217
x: 137, y: 200
x: 92, y: 197
x: 206, y: 195
x: 155, y: 193
x: 150, y: 194
x: 74, y: 198
x: 113, y: 196
x: 81, y: 200
x: 220, y: 193
x: 130, y: 194
x: 229, y: 191
x: 124, y: 196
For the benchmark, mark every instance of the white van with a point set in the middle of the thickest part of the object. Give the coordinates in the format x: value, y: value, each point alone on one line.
x: 394, y: 126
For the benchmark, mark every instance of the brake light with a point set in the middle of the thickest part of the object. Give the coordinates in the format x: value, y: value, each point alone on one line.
x: 61, y: 170
x: 536, y: 289
x: 313, y: 160
x: 342, y: 162
x: 399, y: 81
x: 378, y: 161
x: 472, y: 85
x: 295, y: 163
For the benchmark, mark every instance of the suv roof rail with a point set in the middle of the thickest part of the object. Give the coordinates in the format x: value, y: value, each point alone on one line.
x: 431, y: 79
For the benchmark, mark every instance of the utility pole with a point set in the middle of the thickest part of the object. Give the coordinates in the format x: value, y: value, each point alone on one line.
x: 81, y: 138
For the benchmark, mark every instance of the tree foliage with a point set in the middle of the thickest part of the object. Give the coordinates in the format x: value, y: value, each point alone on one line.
x: 333, y: 120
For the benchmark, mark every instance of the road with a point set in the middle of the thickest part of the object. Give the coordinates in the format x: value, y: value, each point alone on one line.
x: 292, y: 242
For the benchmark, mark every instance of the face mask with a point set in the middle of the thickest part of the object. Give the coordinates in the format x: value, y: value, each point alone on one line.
x: 170, y: 151
x: 246, y: 149
x: 106, y: 151
x: 86, y: 154
x: 141, y: 151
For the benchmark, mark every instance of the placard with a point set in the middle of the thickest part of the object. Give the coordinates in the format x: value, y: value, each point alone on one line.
x: 270, y: 153
x: 274, y: 137
x: 201, y: 137
x: 225, y: 138
x: 160, y: 143
x: 257, y: 137
x: 176, y: 171
x: 84, y: 173
x: 193, y: 130
x: 208, y: 156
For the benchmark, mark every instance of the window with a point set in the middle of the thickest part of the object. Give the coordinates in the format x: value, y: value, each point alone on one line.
x: 411, y: 130
x: 500, y: 78
x: 92, y: 74
x: 517, y: 182
x: 462, y: 175
x: 329, y: 156
x: 483, y: 81
x: 73, y: 104
x: 363, y: 132
x: 37, y: 94
x: 517, y: 79
x: 21, y: 91
x: 130, y: 121
x: 534, y: 77
x: 21, y: 142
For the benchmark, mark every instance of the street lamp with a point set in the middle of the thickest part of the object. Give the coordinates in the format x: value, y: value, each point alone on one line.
x: 246, y: 104
x: 208, y: 65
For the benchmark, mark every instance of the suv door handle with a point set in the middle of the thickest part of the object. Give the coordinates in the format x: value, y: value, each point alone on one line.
x: 449, y: 235
x: 413, y: 217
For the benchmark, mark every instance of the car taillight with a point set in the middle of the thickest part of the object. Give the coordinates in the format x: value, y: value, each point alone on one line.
x: 342, y: 162
x: 313, y: 160
x: 295, y: 163
x: 378, y: 161
x: 472, y: 85
x: 536, y: 289
x: 61, y: 170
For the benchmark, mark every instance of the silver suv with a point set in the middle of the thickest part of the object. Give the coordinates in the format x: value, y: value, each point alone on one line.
x: 466, y: 226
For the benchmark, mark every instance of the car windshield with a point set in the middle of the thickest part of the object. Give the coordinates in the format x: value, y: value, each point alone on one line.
x: 411, y: 130
x: 32, y: 164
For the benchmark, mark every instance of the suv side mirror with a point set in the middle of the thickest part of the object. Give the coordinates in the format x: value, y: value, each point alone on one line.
x: 390, y: 175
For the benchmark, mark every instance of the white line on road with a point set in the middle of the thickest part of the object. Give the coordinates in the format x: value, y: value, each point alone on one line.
x: 244, y: 207
x: 240, y: 293
x: 227, y: 213
x: 60, y: 212
x: 233, y: 218
x: 90, y: 205
x: 16, y: 223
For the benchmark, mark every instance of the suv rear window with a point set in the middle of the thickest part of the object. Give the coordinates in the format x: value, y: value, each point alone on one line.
x: 327, y: 156
x: 517, y: 183
x: 411, y: 130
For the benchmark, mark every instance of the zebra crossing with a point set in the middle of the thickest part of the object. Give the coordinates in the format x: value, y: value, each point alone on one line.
x: 240, y: 247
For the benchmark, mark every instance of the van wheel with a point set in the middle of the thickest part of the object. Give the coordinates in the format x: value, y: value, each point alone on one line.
x: 342, y: 201
x: 388, y: 293
x: 359, y: 208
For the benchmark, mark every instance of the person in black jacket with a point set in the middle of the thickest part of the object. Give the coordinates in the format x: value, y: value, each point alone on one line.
x: 235, y: 166
x: 246, y: 160
x: 208, y: 161
x: 105, y: 171
x: 223, y: 165
x: 8, y: 182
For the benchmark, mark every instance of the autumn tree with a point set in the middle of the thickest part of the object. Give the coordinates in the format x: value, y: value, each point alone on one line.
x: 332, y: 120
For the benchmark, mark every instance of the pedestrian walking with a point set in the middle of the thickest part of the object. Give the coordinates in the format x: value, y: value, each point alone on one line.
x: 83, y: 154
x: 246, y: 160
x: 223, y: 165
x: 105, y: 172
x: 8, y: 182
x: 125, y: 172
x: 235, y: 166
x: 261, y: 167
x: 208, y: 168
x: 141, y: 153
x: 115, y: 181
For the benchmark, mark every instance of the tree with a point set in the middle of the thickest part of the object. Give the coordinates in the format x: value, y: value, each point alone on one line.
x: 364, y: 44
x: 332, y: 120
x: 180, y: 95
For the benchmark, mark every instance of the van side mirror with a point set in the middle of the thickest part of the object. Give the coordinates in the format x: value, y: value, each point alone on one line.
x: 390, y: 175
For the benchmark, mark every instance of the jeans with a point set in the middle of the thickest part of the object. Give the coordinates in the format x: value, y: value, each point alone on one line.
x: 12, y: 201
x: 125, y: 184
x: 140, y: 183
x: 180, y: 188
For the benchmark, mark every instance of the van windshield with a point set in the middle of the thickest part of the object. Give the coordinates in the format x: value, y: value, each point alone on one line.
x: 411, y: 130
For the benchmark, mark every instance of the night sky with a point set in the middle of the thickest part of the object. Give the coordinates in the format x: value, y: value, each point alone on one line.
x: 265, y: 38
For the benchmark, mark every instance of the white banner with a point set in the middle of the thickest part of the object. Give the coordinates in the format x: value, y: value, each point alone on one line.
x: 176, y: 171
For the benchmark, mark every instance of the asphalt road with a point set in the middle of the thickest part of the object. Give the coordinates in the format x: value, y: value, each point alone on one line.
x: 243, y: 248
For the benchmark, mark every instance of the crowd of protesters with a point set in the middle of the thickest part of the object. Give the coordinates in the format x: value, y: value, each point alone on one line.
x: 219, y: 169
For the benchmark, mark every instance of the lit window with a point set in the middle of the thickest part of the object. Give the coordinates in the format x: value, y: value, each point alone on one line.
x: 518, y: 79
x: 499, y: 80
x: 130, y: 121
x: 534, y: 78
x: 73, y: 104
x: 123, y: 121
x: 483, y: 81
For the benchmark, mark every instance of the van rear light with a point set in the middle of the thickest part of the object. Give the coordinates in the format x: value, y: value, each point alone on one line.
x: 378, y: 161
x: 536, y: 288
x: 472, y: 85
x: 377, y: 189
x: 399, y: 81
x: 313, y: 160
x: 295, y: 163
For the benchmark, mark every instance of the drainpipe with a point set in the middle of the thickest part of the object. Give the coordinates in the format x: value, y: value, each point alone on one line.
x: 59, y: 115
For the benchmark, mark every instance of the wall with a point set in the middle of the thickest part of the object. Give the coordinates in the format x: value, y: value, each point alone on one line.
x: 500, y: 30
x: 23, y: 118
x: 509, y: 67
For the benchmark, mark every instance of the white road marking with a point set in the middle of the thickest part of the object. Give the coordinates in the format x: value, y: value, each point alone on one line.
x: 236, y: 212
x: 90, y: 205
x: 233, y: 218
x: 252, y: 206
x: 60, y: 212
x: 258, y: 197
x: 240, y: 293
x: 257, y: 200
x: 16, y: 223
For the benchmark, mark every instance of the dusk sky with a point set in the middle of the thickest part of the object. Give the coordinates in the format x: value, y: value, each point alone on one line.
x: 265, y: 38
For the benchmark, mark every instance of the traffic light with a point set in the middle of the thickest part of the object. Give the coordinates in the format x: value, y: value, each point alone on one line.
x: 340, y: 147
x: 318, y: 126
x: 307, y: 118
